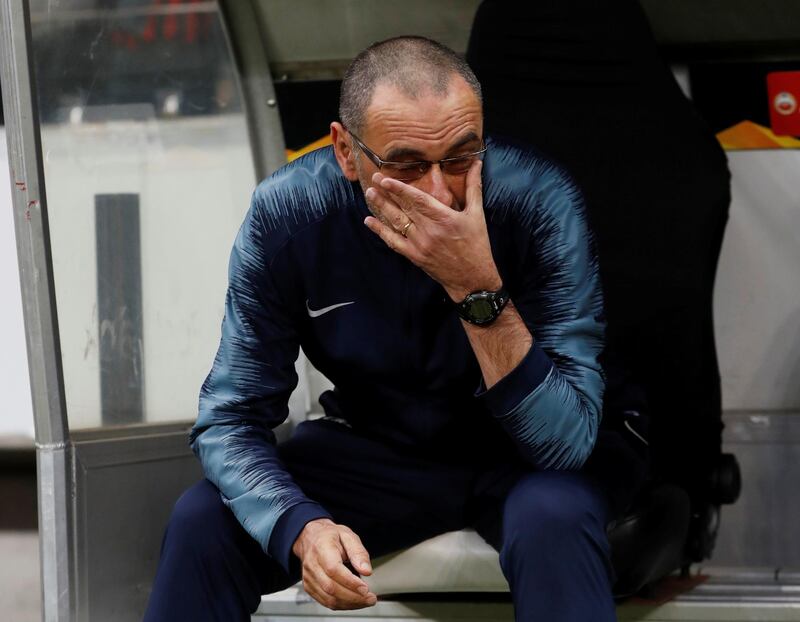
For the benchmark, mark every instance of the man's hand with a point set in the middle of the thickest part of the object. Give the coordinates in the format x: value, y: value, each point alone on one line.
x: 323, y: 547
x: 451, y: 246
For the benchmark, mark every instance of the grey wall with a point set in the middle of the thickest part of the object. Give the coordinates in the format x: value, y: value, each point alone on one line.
x: 757, y: 314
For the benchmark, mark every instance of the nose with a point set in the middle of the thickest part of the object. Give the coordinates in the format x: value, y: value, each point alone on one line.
x: 435, y: 183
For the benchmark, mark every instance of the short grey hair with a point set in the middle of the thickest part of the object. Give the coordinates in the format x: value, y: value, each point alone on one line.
x: 412, y: 64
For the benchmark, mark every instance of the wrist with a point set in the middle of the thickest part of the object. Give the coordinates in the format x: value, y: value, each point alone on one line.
x: 490, y: 283
x: 307, y: 534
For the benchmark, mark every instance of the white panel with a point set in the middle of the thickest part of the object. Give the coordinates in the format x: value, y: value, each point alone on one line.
x: 757, y: 295
x: 194, y: 177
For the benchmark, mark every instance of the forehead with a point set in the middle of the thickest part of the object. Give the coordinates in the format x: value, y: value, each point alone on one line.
x: 427, y: 123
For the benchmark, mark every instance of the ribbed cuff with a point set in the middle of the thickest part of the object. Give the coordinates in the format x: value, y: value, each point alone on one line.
x: 288, y: 527
x: 515, y: 386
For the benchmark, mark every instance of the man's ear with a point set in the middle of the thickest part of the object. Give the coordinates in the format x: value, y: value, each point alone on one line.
x: 343, y: 150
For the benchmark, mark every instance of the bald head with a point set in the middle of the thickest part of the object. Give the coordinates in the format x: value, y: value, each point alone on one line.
x: 413, y: 65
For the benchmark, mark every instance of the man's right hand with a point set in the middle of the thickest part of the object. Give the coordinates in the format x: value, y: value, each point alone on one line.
x: 323, y: 547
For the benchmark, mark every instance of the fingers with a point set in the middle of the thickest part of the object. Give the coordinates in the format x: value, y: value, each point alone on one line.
x: 391, y: 238
x: 331, y: 560
x: 355, y: 552
x: 410, y: 199
x: 474, y: 187
x: 333, y: 595
x: 328, y: 580
x: 386, y: 210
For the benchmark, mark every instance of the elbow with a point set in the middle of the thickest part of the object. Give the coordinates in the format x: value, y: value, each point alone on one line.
x: 555, y: 430
x: 575, y: 456
x: 194, y: 435
x: 566, y: 450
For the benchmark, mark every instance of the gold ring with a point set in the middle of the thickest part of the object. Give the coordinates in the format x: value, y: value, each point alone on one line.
x: 404, y: 232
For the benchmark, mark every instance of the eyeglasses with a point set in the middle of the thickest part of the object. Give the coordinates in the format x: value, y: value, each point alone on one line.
x: 411, y: 171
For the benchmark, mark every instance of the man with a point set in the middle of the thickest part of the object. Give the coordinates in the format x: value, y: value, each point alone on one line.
x: 446, y: 284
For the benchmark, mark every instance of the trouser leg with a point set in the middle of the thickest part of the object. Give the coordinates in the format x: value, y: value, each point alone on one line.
x: 554, y: 551
x: 210, y: 568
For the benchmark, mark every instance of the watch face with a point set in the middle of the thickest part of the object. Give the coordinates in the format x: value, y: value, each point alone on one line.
x: 481, y: 309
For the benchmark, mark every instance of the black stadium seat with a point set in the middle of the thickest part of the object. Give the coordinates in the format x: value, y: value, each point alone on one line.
x: 582, y: 81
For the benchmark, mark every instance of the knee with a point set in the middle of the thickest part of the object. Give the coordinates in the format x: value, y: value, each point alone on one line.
x: 197, y: 518
x: 552, y: 512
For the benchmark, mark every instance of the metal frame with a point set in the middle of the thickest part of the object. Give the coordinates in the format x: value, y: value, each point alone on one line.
x: 31, y: 224
x: 241, y: 24
x: 115, y: 560
x: 68, y: 463
x: 53, y: 450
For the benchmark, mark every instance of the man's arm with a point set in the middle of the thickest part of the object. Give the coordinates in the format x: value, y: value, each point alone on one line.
x: 500, y: 346
x: 246, y: 395
x: 551, y: 410
x: 243, y: 398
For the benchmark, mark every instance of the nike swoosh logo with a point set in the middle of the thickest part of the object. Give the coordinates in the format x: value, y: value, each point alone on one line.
x: 324, y: 310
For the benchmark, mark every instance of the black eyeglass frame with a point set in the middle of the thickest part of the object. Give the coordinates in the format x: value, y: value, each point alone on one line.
x: 423, y: 166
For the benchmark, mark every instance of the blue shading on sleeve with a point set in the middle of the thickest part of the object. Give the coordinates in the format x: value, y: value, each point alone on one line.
x: 246, y: 395
x: 551, y: 403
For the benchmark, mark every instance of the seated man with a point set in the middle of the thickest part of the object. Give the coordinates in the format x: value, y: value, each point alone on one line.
x: 447, y: 286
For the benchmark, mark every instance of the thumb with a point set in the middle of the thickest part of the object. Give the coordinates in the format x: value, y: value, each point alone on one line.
x: 355, y: 552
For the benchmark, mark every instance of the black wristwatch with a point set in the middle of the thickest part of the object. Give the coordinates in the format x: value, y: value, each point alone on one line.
x: 482, y: 307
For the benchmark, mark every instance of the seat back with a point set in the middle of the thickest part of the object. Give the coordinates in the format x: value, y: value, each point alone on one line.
x: 582, y: 81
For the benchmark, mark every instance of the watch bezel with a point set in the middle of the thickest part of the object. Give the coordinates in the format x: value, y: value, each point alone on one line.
x: 497, y: 299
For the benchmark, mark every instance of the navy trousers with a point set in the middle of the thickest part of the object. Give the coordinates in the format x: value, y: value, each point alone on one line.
x: 549, y: 527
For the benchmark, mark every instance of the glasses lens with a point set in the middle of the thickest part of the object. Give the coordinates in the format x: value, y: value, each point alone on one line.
x: 405, y: 172
x: 458, y: 166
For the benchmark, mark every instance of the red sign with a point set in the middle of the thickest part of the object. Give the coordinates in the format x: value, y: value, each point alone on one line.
x: 783, y: 88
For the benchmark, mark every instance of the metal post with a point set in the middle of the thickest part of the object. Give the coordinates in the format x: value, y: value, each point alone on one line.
x: 39, y: 307
x: 243, y: 31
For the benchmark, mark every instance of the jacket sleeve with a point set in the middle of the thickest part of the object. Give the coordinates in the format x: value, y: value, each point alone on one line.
x: 551, y: 403
x: 246, y: 395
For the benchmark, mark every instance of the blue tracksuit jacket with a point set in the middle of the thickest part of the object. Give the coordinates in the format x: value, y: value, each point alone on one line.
x: 305, y: 271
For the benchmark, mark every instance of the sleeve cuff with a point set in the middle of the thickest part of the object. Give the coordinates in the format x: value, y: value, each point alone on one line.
x: 288, y: 527
x: 515, y: 386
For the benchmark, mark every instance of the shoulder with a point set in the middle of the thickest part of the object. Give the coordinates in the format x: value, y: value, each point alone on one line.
x: 522, y: 183
x: 301, y: 193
